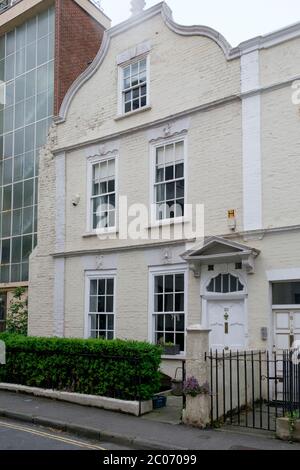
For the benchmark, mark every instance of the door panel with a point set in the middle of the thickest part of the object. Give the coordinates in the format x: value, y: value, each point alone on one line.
x: 227, y: 323
x: 287, y: 330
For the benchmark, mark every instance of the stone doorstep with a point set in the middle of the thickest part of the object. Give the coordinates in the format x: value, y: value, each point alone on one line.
x: 283, y: 432
x: 105, y: 403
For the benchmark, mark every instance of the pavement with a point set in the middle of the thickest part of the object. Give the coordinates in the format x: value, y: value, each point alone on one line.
x: 129, y: 431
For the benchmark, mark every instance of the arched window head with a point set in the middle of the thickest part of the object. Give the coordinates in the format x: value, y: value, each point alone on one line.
x: 225, y: 284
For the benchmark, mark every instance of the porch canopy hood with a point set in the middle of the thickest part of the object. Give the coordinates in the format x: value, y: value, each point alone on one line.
x: 218, y: 250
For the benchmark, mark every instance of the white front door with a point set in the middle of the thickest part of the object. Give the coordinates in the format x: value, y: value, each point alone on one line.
x: 226, y: 320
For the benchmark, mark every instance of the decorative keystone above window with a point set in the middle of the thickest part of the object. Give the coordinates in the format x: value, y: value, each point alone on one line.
x: 134, y: 52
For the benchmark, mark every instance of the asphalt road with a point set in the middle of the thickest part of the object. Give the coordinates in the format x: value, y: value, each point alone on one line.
x: 16, y: 435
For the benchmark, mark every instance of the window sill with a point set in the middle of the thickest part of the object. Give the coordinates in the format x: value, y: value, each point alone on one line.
x: 169, y: 222
x: 178, y: 357
x: 119, y: 117
x: 113, y: 231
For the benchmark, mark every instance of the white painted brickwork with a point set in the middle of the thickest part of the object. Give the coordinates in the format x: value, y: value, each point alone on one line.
x: 242, y: 154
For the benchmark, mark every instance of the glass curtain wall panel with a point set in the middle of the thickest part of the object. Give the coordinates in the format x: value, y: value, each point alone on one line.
x: 26, y: 110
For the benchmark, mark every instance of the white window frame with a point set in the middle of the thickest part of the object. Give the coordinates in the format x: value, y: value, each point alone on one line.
x: 163, y: 271
x: 153, y: 148
x: 89, y: 219
x: 95, y: 276
x: 121, y: 67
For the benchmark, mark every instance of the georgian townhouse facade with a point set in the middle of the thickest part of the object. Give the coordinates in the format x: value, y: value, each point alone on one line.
x: 171, y: 118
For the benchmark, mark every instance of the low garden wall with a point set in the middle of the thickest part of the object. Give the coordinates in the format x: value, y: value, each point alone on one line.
x: 123, y: 370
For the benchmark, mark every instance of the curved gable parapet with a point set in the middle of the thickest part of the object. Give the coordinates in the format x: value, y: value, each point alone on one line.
x: 166, y: 13
x: 198, y: 30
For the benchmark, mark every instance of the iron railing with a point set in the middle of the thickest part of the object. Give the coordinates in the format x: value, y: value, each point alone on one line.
x: 246, y: 388
x: 291, y: 382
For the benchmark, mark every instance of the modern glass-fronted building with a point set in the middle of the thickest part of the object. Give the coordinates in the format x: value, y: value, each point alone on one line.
x: 44, y: 46
x: 27, y: 74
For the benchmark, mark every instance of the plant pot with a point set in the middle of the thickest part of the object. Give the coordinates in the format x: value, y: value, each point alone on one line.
x: 172, y: 350
x: 159, y: 401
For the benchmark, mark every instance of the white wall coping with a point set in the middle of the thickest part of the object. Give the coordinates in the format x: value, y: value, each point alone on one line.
x: 112, y: 404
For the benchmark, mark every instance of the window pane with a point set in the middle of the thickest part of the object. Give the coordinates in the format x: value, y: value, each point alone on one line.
x: 7, y: 198
x: 30, y: 84
x: 110, y: 286
x: 169, y: 307
x: 19, y: 141
x: 5, y: 254
x: 110, y: 322
x: 6, y: 224
x: 169, y: 283
x: 169, y: 153
x: 169, y: 173
x: 225, y: 283
x: 179, y: 325
x: 15, y: 273
x: 93, y: 304
x: 109, y: 303
x: 101, y: 304
x: 28, y: 193
x: 26, y: 246
x: 28, y: 220
x: 286, y: 293
x: 31, y: 56
x: 18, y: 195
x: 20, y: 61
x: 180, y: 341
x: 18, y: 168
x: 102, y: 322
x: 93, y: 287
x: 160, y: 193
x: 169, y: 323
x: 42, y: 50
x: 17, y: 222
x: 31, y: 30
x: 170, y: 191
x: 101, y: 287
x: 179, y: 170
x: 179, y: 151
x: 10, y: 42
x: 179, y: 283
x: 159, y: 303
x: 159, y: 324
x: 179, y: 302
x: 16, y: 249
x: 43, y: 24
x: 159, y: 284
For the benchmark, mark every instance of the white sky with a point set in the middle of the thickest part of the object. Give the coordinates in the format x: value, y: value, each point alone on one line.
x: 237, y: 20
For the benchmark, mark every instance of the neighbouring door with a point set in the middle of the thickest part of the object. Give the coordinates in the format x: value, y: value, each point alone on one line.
x: 3, y: 302
x: 286, y: 332
x: 227, y: 323
x: 287, y: 329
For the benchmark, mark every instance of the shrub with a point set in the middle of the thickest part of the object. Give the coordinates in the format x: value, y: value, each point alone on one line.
x: 117, y: 369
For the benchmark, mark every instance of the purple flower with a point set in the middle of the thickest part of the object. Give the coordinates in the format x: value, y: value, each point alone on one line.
x: 192, y: 387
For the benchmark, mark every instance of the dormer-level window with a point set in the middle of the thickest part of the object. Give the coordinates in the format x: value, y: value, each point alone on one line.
x: 135, y: 86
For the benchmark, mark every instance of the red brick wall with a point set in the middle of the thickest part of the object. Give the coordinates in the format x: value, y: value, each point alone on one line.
x: 77, y: 40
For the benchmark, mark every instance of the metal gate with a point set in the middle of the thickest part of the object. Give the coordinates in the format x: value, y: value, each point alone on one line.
x: 252, y: 388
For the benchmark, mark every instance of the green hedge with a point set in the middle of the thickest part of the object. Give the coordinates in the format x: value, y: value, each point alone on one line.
x: 129, y: 369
